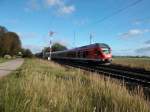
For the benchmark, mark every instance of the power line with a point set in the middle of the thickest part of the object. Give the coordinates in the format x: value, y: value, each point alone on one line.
x: 119, y: 11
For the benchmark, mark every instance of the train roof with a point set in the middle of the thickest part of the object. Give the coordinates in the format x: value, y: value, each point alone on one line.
x: 102, y: 45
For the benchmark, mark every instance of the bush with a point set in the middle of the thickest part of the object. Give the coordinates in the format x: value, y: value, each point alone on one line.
x: 7, y: 57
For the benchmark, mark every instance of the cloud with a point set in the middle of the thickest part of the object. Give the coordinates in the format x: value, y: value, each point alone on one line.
x: 147, y: 42
x: 61, y: 7
x: 141, y: 21
x: 33, y: 48
x: 32, y: 5
x: 143, y: 51
x: 67, y: 9
x: 81, y: 22
x: 53, y: 2
x: 123, y: 52
x: 134, y: 33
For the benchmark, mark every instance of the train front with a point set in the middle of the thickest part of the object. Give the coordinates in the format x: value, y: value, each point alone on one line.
x: 106, y: 54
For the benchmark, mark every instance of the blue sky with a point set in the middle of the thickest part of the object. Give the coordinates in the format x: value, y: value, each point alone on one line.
x: 128, y: 32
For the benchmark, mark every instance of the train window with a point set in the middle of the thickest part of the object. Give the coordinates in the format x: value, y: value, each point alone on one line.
x: 106, y: 51
x: 97, y: 52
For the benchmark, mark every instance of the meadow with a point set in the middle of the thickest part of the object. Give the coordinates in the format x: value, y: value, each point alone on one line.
x: 42, y: 86
x: 143, y: 63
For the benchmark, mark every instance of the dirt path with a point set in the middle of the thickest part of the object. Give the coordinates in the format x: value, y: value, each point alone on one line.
x: 8, y: 67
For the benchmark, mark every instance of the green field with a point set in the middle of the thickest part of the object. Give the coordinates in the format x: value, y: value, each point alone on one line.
x: 143, y: 63
x: 42, y: 86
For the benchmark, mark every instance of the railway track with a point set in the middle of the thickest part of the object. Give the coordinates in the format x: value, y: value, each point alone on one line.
x: 132, y: 78
x: 136, y: 77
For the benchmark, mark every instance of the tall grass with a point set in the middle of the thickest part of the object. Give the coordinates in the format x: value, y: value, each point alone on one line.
x: 133, y: 62
x: 41, y: 86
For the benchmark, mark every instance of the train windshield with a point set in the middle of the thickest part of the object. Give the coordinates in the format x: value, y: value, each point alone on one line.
x: 106, y: 50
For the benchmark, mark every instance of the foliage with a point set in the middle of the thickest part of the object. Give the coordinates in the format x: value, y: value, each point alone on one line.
x: 9, y: 42
x: 42, y: 86
x: 27, y: 53
x: 56, y: 47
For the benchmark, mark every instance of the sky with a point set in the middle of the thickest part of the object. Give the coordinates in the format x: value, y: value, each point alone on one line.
x: 122, y: 24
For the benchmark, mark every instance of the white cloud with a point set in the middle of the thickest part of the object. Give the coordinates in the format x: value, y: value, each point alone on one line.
x: 61, y: 7
x: 141, y: 21
x: 123, y: 52
x: 53, y: 2
x: 67, y: 9
x: 33, y: 48
x: 134, y: 33
x: 32, y: 5
x: 145, y: 51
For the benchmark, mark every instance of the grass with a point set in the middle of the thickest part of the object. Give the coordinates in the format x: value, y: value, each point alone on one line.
x: 143, y: 63
x: 41, y: 86
x: 2, y: 60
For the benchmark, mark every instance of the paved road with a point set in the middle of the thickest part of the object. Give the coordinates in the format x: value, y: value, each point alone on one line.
x: 8, y: 67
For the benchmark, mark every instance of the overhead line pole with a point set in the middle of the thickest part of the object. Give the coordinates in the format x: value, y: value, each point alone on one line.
x: 51, y: 33
x: 91, y: 37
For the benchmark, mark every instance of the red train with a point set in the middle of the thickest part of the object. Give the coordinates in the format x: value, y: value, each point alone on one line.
x: 98, y: 52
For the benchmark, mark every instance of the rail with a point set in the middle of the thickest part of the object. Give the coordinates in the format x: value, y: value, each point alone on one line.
x: 128, y: 75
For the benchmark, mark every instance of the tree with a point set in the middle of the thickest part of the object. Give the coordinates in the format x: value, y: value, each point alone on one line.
x: 9, y: 44
x: 3, y: 30
x: 58, y: 47
x: 27, y: 53
x: 39, y: 55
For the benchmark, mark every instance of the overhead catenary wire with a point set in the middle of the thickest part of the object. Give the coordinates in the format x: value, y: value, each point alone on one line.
x: 117, y: 12
x: 114, y: 13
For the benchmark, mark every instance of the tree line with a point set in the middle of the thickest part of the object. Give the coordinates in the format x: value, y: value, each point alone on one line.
x: 10, y: 44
